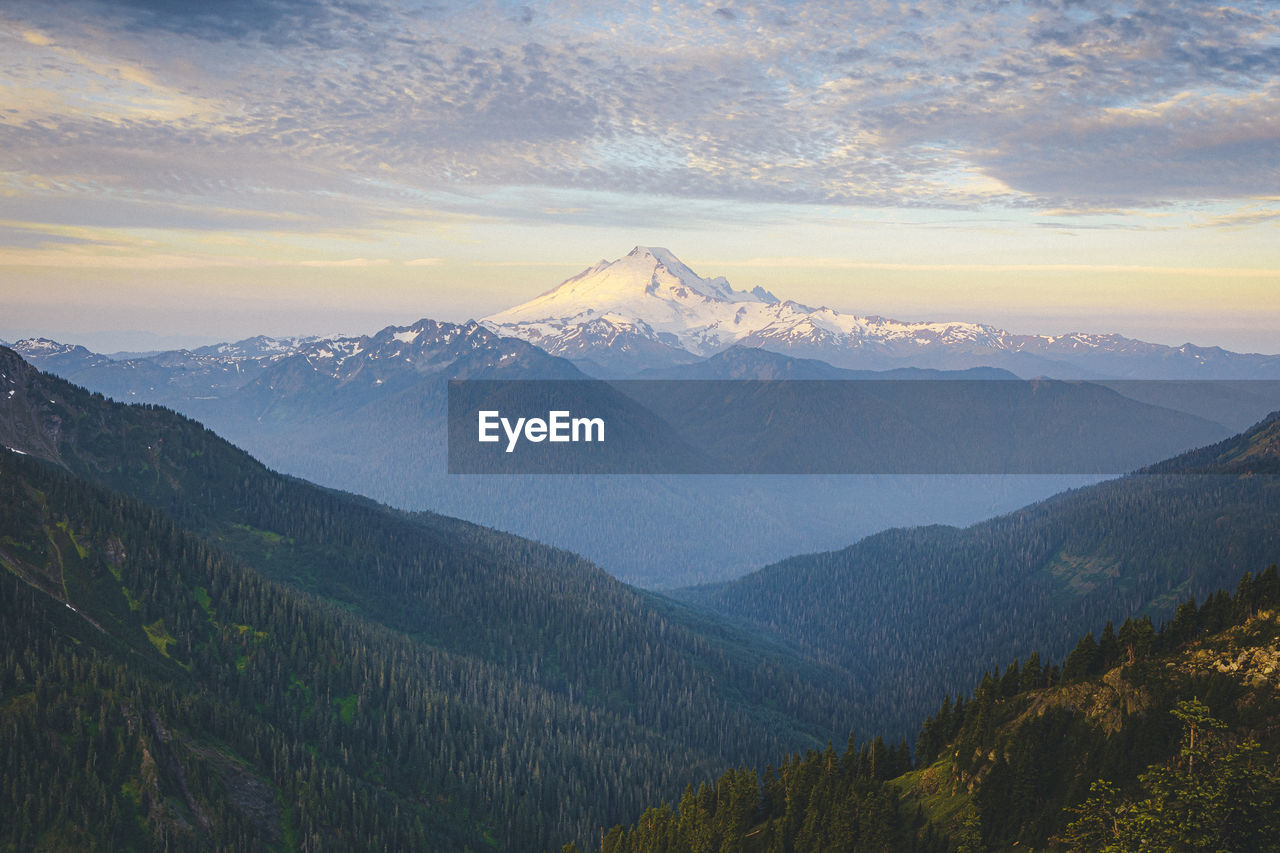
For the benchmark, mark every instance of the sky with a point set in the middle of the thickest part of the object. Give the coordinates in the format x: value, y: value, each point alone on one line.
x: 180, y: 172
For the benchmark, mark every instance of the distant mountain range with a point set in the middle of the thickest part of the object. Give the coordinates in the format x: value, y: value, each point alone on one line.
x: 367, y: 413
x: 648, y: 309
x: 324, y: 371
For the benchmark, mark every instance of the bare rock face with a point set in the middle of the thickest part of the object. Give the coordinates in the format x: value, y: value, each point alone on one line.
x: 1250, y: 653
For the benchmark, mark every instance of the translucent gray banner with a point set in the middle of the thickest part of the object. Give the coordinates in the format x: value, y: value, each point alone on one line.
x: 921, y: 426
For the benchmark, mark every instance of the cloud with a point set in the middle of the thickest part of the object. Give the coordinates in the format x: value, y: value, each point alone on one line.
x: 1244, y: 217
x: 852, y: 264
x: 36, y: 236
x: 1190, y: 146
x: 327, y: 111
x: 347, y: 262
x: 272, y: 22
x: 101, y: 261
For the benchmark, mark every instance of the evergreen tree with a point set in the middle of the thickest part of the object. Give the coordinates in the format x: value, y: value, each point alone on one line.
x: 1214, y: 796
x: 1085, y: 659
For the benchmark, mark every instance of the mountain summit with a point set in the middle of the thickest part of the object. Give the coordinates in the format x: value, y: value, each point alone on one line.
x: 649, y: 283
x: 652, y: 306
x: 649, y: 309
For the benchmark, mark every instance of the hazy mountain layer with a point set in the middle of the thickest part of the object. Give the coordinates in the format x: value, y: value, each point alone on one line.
x: 367, y: 414
x: 934, y: 605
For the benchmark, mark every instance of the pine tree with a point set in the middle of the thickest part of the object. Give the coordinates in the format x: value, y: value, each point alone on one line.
x: 1084, y: 660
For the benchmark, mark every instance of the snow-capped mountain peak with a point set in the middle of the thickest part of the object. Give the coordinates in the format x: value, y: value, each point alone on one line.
x: 649, y: 300
x: 44, y: 347
x: 648, y: 284
x: 649, y: 309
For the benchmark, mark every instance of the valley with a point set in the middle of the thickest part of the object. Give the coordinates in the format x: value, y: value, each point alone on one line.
x: 262, y: 662
x: 760, y: 426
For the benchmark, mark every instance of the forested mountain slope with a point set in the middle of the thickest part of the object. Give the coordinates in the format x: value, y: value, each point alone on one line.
x: 1143, y: 738
x: 157, y: 695
x: 1140, y: 740
x: 475, y: 684
x: 914, y: 612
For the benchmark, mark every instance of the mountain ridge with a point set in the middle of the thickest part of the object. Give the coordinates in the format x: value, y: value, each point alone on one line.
x: 1148, y: 738
x: 936, y: 596
x: 500, y: 627
x: 331, y: 423
x: 650, y: 310
x: 655, y: 305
